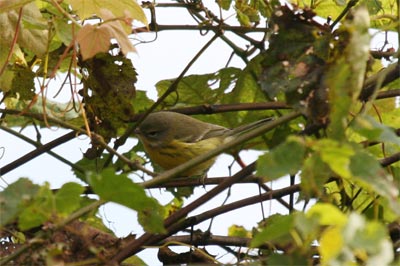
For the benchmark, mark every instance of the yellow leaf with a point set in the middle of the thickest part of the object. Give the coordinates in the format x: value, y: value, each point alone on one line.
x: 331, y: 244
x: 238, y: 231
x: 327, y: 214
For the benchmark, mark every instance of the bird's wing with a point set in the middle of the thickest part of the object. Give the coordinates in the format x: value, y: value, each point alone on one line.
x: 244, y: 128
x: 213, y: 131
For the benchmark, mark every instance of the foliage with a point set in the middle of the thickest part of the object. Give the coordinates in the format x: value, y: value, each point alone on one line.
x: 336, y: 128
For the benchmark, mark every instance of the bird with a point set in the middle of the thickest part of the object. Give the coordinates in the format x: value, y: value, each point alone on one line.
x: 171, y: 139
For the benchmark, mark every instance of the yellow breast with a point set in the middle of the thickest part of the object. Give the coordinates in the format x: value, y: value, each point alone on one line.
x: 176, y: 153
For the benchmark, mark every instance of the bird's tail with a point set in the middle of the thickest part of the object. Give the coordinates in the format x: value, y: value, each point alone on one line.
x: 244, y: 128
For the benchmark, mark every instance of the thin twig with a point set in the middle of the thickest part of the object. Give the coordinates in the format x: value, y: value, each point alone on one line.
x: 349, y: 6
x: 223, y: 108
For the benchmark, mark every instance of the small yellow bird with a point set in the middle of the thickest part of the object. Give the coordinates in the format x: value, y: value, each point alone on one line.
x: 171, y: 139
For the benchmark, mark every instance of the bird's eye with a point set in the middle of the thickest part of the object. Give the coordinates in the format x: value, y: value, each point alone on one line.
x: 152, y: 134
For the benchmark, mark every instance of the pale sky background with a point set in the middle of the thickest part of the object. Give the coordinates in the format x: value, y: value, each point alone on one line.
x: 162, y: 59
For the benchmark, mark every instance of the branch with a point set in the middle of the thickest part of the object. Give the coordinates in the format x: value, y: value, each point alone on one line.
x: 206, y: 239
x: 390, y: 160
x: 193, y: 182
x: 136, y: 245
x: 223, y: 108
x: 38, y: 144
x: 388, y: 94
x: 40, y: 117
x: 47, y: 147
x: 379, y: 80
x: 214, y: 28
x: 37, y: 152
x: 381, y: 54
x: 273, y: 194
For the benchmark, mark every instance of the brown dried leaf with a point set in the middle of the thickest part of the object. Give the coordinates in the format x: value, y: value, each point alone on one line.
x: 93, y: 39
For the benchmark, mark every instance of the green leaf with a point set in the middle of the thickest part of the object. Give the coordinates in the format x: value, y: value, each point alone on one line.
x: 90, y: 166
x: 277, y: 227
x: 224, y: 4
x: 120, y: 189
x: 39, y: 211
x: 323, y: 8
x: 370, y: 173
x: 68, y: 198
x: 345, y: 74
x: 64, y: 30
x: 277, y: 259
x: 23, y: 84
x: 246, y: 89
x: 141, y: 101
x: 243, y: 19
x: 7, y: 77
x: 374, y: 131
x: 286, y: 158
x: 200, y: 89
x: 336, y: 155
x: 134, y: 260
x: 14, y: 198
x: 314, y: 174
x: 373, y: 6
